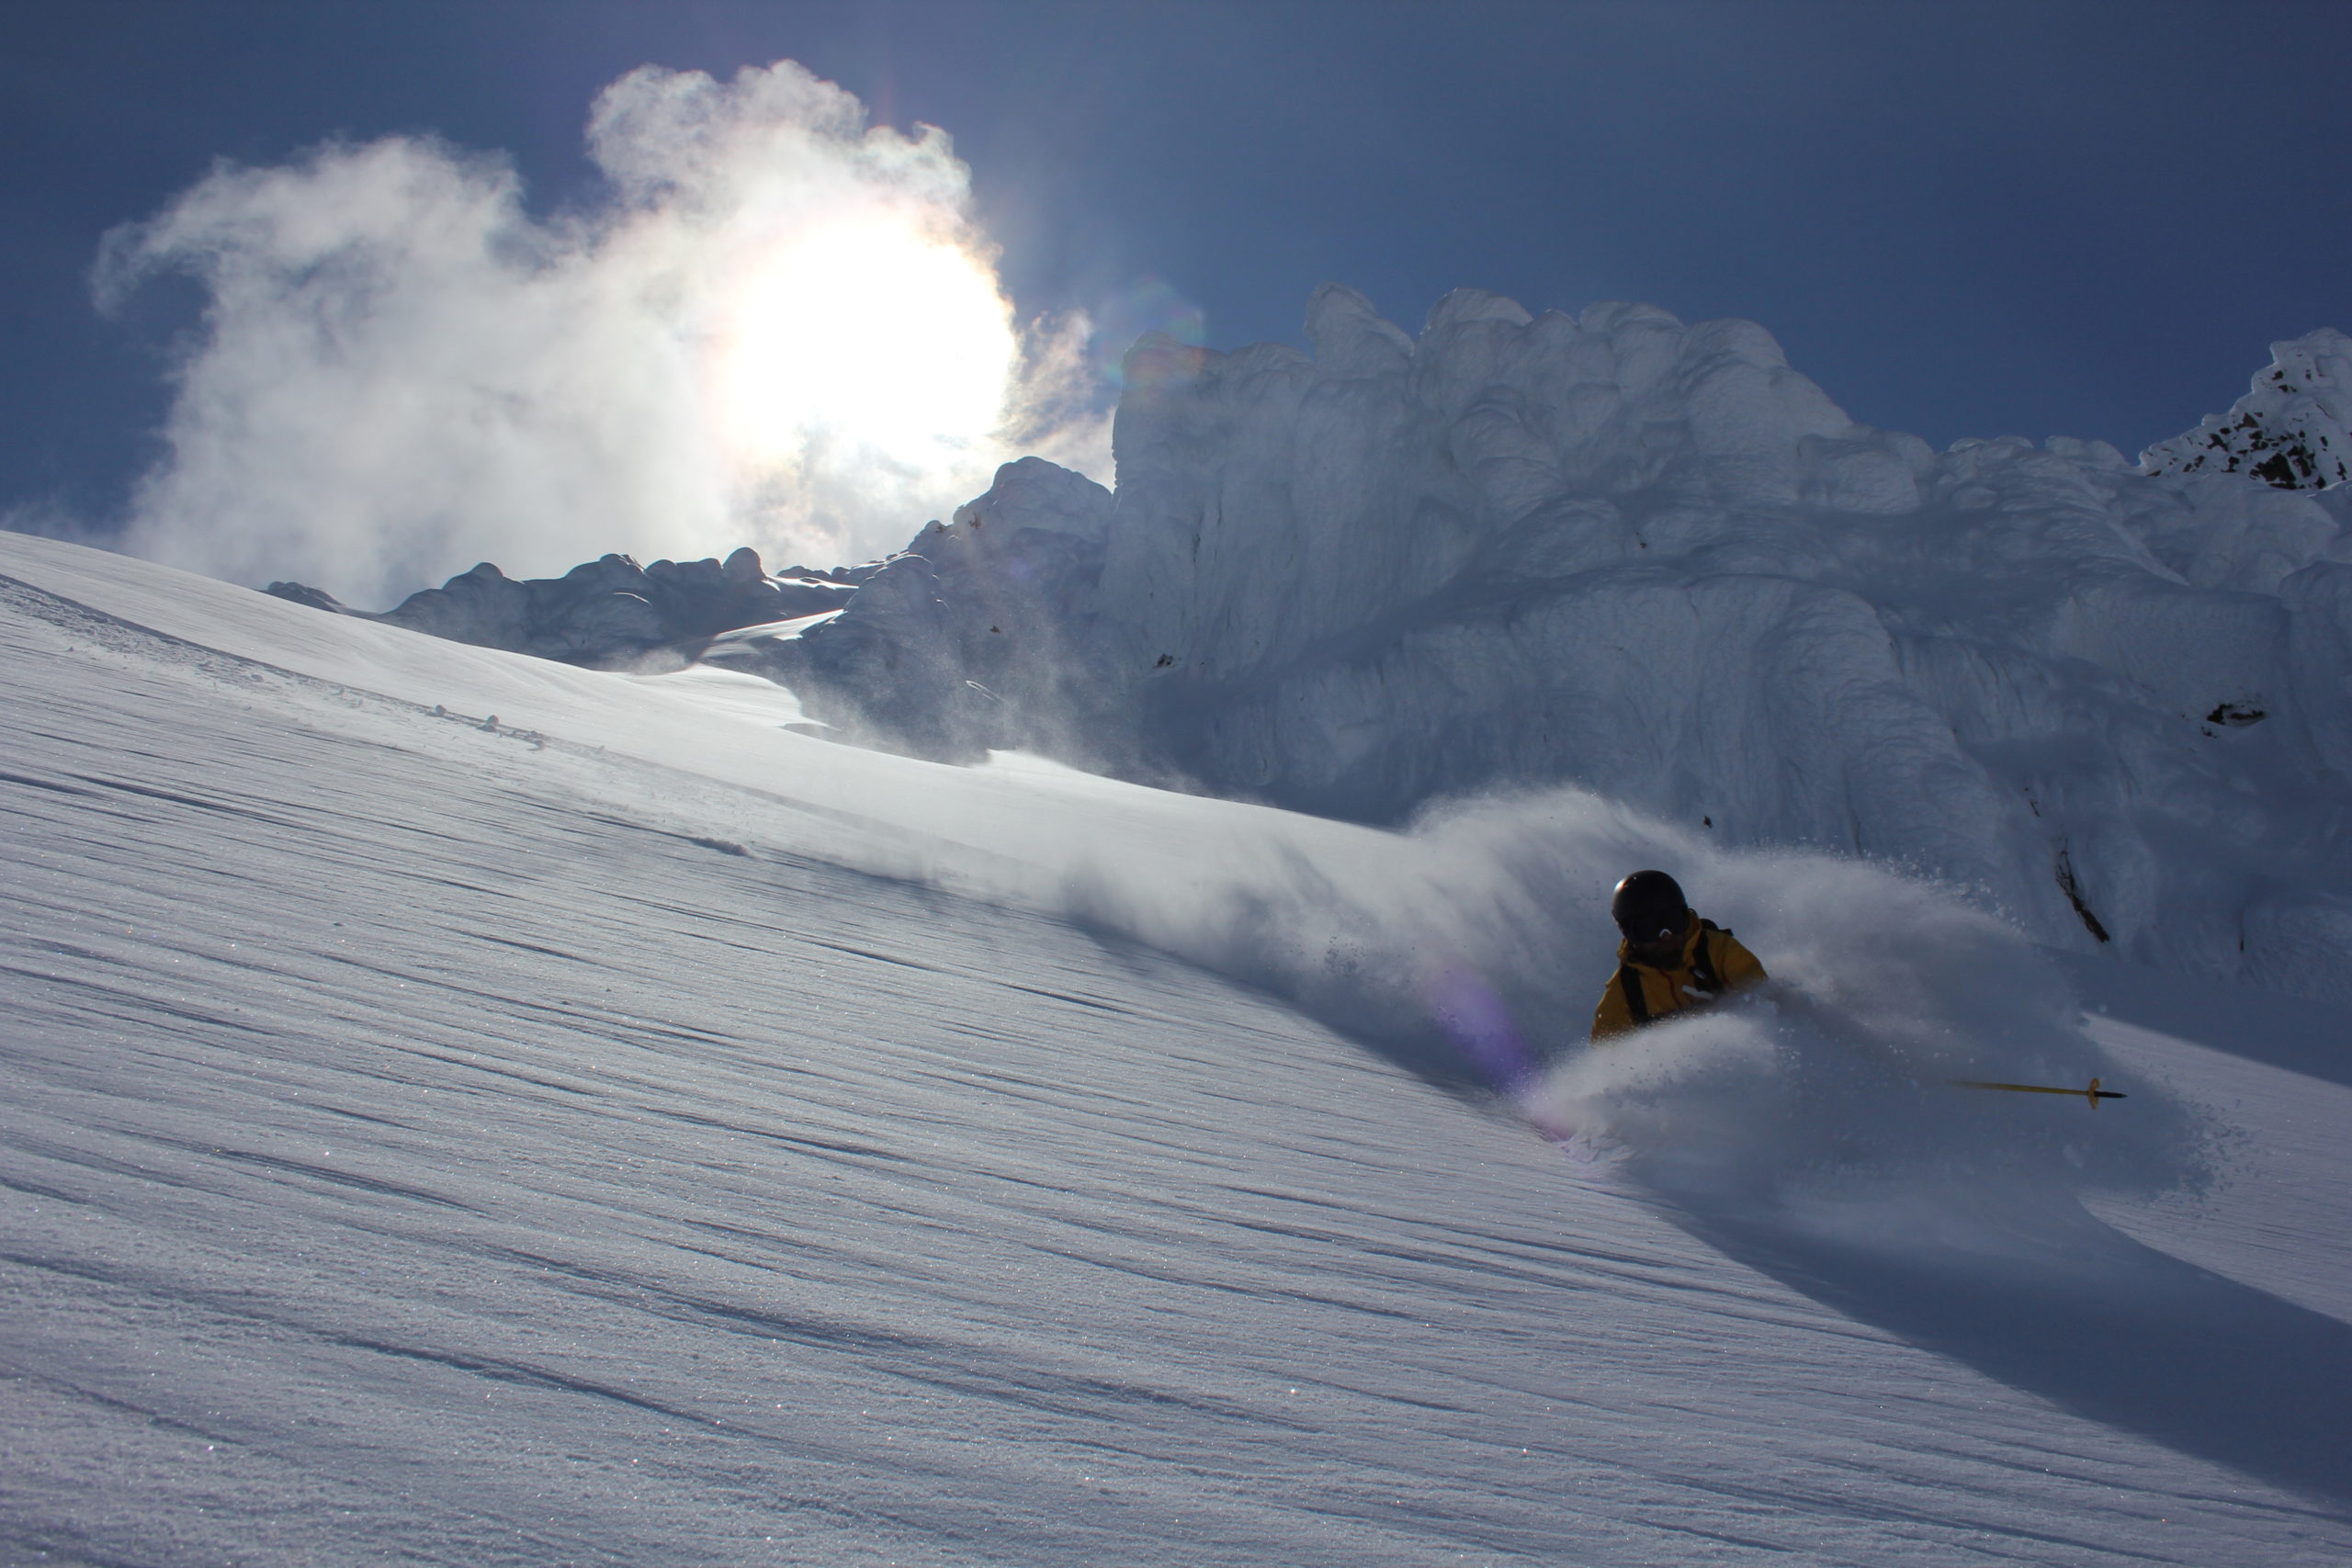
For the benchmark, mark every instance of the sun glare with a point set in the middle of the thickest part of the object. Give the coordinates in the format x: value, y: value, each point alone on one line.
x: 867, y: 333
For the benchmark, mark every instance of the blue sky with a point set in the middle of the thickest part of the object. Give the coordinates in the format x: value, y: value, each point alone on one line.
x: 1962, y: 220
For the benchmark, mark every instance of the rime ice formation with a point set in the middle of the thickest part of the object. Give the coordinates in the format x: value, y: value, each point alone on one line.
x: 2293, y: 430
x: 1652, y: 559
x: 973, y: 632
x: 608, y: 611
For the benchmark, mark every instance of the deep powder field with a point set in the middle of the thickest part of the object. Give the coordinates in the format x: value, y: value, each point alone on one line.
x: 460, y: 1109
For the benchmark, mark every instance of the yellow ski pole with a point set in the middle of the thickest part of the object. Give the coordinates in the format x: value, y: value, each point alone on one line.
x: 2093, y: 1094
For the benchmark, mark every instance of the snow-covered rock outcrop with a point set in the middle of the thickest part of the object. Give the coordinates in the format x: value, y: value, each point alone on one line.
x: 2293, y: 430
x: 1652, y: 559
x: 604, y: 612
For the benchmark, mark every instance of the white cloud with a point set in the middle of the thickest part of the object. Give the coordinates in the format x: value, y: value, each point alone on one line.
x: 781, y: 328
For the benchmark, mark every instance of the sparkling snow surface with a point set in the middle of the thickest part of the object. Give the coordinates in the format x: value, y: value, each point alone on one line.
x: 635, y: 1131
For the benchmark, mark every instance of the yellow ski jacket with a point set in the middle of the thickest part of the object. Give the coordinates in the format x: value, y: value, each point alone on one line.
x: 1713, y: 962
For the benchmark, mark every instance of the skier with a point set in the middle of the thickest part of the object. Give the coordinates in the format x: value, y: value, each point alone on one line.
x: 1670, y: 959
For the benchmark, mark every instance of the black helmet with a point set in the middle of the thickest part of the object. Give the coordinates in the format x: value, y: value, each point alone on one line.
x: 1648, y: 906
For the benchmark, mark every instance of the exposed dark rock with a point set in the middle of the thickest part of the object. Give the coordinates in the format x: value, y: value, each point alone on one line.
x: 2237, y: 714
x: 2291, y: 431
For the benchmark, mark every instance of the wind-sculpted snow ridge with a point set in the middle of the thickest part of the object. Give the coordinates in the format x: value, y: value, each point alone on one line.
x: 1650, y: 559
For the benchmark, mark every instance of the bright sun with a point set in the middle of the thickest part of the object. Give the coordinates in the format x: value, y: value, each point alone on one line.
x: 868, y: 331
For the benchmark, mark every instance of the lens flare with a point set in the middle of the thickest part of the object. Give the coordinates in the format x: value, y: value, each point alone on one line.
x: 1146, y: 305
x: 1470, y: 1015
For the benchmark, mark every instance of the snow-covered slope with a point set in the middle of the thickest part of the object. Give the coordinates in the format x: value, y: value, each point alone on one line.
x: 1651, y: 559
x: 632, y: 1130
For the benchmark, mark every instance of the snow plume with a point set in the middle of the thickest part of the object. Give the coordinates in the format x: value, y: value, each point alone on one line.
x: 781, y: 327
x: 1476, y: 945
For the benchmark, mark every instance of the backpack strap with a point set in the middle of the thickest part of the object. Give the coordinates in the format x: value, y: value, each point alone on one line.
x: 1702, y: 962
x: 1637, y: 1006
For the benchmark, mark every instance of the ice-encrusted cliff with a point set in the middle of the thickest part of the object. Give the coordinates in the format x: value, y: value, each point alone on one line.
x: 1651, y: 558
x: 976, y: 633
